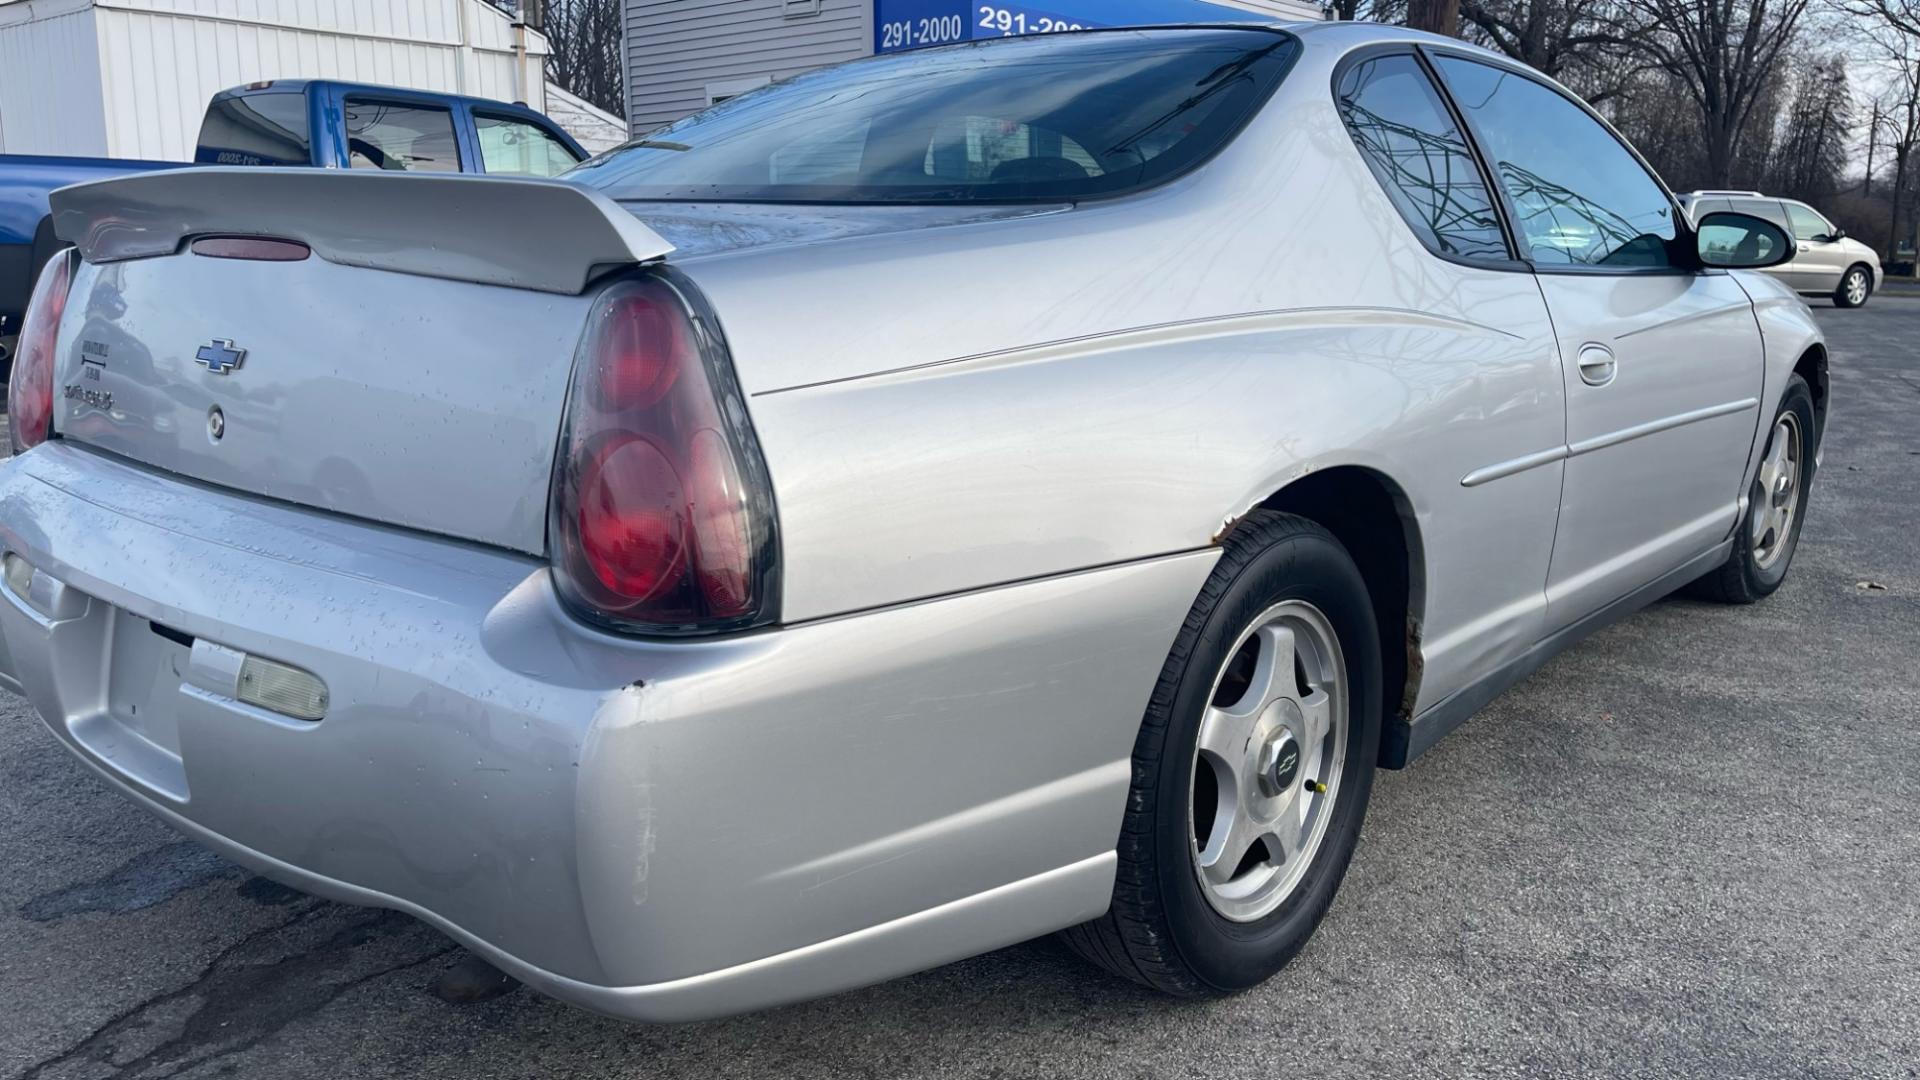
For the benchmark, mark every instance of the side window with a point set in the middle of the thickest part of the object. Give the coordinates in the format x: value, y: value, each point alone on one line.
x: 1764, y: 209
x: 400, y: 138
x: 1807, y: 225
x: 256, y: 129
x: 516, y: 147
x: 1700, y: 208
x: 1420, y: 157
x: 1580, y: 198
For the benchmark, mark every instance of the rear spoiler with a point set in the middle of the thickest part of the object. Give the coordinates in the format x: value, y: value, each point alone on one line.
x: 544, y: 235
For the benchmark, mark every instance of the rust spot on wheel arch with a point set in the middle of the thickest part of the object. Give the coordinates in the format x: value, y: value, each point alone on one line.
x: 1416, y: 667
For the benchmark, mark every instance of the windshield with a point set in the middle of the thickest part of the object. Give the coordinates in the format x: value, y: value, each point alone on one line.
x: 1049, y: 118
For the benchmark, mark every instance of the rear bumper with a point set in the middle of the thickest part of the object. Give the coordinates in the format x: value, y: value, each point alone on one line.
x: 661, y: 831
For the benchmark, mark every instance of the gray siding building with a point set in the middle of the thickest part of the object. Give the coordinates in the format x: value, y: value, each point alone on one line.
x: 683, y: 55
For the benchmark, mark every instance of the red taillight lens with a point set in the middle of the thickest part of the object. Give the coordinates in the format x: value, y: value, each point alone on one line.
x: 252, y: 249
x: 662, y: 516
x: 641, y: 342
x: 30, y: 394
x: 632, y: 532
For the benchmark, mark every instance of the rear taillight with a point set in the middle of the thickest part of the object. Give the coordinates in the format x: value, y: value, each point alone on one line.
x: 662, y: 518
x: 30, y: 394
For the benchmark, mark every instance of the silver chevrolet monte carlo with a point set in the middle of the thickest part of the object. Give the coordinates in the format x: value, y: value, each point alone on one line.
x: 933, y: 502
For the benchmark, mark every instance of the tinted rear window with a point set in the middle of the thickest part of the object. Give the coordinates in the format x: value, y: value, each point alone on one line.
x: 258, y: 129
x: 1053, y: 117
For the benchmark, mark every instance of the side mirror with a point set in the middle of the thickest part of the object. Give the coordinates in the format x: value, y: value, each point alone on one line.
x: 1742, y: 242
x: 1838, y: 234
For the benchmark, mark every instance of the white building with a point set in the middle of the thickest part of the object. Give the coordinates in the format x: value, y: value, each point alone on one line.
x: 131, y: 78
x: 683, y: 55
x: 595, y: 128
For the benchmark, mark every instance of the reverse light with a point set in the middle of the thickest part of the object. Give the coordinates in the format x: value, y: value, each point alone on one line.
x: 281, y: 688
x: 662, y: 519
x: 19, y: 575
x: 30, y: 394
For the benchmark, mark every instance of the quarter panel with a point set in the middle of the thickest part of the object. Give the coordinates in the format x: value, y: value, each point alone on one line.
x: 1004, y: 400
x: 934, y: 481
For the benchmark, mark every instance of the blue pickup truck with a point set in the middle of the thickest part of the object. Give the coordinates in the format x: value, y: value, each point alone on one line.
x: 324, y: 124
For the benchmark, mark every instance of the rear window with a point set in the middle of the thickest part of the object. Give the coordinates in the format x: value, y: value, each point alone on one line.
x: 1054, y: 117
x: 258, y: 129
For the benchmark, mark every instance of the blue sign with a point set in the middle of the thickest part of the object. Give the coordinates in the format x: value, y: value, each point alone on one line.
x: 914, y: 24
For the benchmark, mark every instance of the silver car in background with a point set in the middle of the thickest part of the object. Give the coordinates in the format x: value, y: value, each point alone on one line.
x: 1826, y: 262
x: 933, y: 502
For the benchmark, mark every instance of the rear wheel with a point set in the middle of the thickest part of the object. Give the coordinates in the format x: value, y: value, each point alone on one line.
x: 1776, y: 507
x: 1252, y: 769
x: 1855, y: 286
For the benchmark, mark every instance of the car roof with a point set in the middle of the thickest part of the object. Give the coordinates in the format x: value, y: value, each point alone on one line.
x: 283, y: 86
x: 1692, y: 195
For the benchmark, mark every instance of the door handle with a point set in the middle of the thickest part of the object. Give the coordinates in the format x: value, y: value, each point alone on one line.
x: 1597, y: 365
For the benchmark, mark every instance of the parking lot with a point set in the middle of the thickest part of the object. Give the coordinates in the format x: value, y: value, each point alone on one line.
x: 1687, y: 848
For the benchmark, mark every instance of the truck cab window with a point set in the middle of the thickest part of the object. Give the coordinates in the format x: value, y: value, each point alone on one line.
x: 517, y: 147
x: 256, y: 129
x: 400, y: 138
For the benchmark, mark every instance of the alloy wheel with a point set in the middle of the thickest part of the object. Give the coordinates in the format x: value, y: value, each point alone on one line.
x: 1266, y: 771
x: 1856, y: 288
x: 1777, y: 494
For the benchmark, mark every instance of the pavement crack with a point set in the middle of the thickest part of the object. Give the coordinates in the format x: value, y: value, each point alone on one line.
x: 250, y: 991
x: 258, y: 1036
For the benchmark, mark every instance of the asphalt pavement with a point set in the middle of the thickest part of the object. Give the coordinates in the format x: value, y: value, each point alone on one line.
x: 1687, y: 848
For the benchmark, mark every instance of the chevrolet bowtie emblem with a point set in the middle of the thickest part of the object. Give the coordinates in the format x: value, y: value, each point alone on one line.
x: 221, y: 357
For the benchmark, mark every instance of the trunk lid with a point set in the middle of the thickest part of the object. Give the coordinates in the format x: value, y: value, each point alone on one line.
x: 412, y: 371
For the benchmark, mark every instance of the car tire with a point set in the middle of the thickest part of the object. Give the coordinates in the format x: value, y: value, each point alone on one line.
x: 1282, y: 580
x: 1856, y: 285
x: 1769, y: 533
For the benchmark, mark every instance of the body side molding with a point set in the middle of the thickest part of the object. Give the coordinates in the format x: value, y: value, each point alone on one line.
x: 1552, y: 454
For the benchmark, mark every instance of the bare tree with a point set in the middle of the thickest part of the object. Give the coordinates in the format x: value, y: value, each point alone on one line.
x: 587, y: 38
x: 1893, y: 29
x: 1876, y: 119
x: 1723, y: 53
x: 1549, y: 35
x: 1900, y: 16
x: 1898, y: 107
x: 1437, y: 16
x: 1386, y: 11
x: 1578, y: 42
x: 1815, y: 134
x: 588, y: 54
